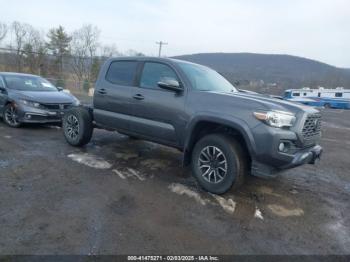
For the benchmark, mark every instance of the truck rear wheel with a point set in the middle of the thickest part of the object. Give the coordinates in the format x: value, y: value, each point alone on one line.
x: 219, y: 163
x: 77, y: 126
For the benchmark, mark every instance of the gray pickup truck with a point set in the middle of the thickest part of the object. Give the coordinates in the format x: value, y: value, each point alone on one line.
x: 223, y: 133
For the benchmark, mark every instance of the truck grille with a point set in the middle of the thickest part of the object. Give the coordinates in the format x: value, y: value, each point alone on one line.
x: 312, y: 126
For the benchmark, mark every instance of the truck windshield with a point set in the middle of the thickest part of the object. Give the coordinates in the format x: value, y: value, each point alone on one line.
x: 28, y: 83
x: 206, y: 79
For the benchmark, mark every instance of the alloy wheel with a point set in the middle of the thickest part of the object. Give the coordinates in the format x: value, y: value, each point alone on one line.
x: 72, y: 127
x: 11, y: 116
x: 212, y: 164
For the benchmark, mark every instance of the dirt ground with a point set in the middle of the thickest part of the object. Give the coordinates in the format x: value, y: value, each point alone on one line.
x: 123, y: 196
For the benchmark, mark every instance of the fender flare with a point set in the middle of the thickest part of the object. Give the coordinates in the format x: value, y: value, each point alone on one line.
x: 225, y: 120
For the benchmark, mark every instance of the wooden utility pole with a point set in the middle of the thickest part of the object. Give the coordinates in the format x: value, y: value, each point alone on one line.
x: 160, y: 47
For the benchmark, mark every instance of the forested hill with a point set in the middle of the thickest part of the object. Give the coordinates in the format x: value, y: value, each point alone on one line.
x: 272, y: 73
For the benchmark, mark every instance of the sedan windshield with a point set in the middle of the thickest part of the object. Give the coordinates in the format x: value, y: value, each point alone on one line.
x: 206, y: 79
x: 28, y: 83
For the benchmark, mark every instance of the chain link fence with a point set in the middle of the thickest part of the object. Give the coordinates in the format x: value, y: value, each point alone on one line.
x: 46, y: 66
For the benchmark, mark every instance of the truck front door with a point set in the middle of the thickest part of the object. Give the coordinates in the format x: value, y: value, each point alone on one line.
x: 159, y: 114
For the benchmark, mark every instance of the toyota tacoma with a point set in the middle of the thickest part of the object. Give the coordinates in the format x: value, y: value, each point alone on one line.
x: 224, y: 134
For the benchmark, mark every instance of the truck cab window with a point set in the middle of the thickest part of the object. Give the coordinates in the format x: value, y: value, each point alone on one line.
x: 122, y: 73
x: 154, y: 73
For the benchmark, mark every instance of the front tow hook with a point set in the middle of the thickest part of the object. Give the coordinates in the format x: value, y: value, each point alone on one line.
x: 316, y: 155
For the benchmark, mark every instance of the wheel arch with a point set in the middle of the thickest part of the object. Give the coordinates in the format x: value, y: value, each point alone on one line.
x: 207, y: 125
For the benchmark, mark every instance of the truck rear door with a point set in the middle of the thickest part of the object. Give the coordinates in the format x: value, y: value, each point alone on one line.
x: 113, y: 96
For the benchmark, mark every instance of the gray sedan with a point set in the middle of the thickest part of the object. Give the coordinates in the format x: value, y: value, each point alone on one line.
x: 31, y: 99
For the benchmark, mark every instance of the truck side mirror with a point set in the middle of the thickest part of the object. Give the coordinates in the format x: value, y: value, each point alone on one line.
x: 171, y: 85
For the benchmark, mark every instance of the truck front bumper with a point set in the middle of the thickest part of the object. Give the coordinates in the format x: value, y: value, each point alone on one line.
x: 269, y: 160
x: 309, y: 156
x: 306, y: 156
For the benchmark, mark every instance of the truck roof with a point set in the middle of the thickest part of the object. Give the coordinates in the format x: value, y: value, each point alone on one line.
x: 148, y: 58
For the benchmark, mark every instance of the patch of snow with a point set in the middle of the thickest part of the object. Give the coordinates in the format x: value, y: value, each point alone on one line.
x: 134, y: 173
x: 258, y: 214
x: 126, y: 156
x: 227, y: 204
x: 184, y: 190
x: 90, y: 161
x: 120, y: 174
x: 284, y: 212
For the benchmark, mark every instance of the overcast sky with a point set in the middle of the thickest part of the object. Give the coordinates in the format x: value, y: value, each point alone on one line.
x: 317, y: 29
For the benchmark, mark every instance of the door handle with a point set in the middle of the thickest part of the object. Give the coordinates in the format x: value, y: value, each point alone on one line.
x: 138, y: 97
x: 102, y: 91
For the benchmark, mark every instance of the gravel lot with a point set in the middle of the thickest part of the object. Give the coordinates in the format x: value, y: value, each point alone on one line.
x: 123, y: 196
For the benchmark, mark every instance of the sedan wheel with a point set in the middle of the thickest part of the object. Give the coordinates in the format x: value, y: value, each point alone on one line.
x: 11, y: 116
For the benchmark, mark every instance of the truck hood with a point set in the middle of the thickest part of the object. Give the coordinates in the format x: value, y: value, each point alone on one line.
x: 263, y: 102
x: 43, y: 97
x: 274, y: 103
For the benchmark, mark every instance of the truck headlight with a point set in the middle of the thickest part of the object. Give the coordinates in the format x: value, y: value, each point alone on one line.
x: 276, y: 118
x: 29, y: 103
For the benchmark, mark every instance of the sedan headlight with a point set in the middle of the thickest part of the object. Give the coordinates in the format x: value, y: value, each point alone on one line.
x: 30, y: 103
x: 276, y: 118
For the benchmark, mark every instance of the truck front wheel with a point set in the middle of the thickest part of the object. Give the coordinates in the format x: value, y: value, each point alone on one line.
x: 77, y: 126
x: 219, y: 163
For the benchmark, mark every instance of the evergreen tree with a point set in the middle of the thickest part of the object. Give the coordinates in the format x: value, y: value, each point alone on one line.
x: 95, y: 69
x: 58, y: 44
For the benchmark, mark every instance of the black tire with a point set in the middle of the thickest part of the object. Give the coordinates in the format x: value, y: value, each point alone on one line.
x: 77, y: 126
x: 236, y: 163
x: 10, y: 117
x: 327, y: 105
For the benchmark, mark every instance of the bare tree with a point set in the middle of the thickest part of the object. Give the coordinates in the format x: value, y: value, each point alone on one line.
x: 34, y: 50
x: 84, y: 45
x: 20, y: 33
x: 3, y: 31
x: 132, y: 52
x: 108, y: 51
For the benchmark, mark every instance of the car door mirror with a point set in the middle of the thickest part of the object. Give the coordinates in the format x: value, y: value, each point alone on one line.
x: 60, y: 89
x: 2, y: 89
x: 171, y: 85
